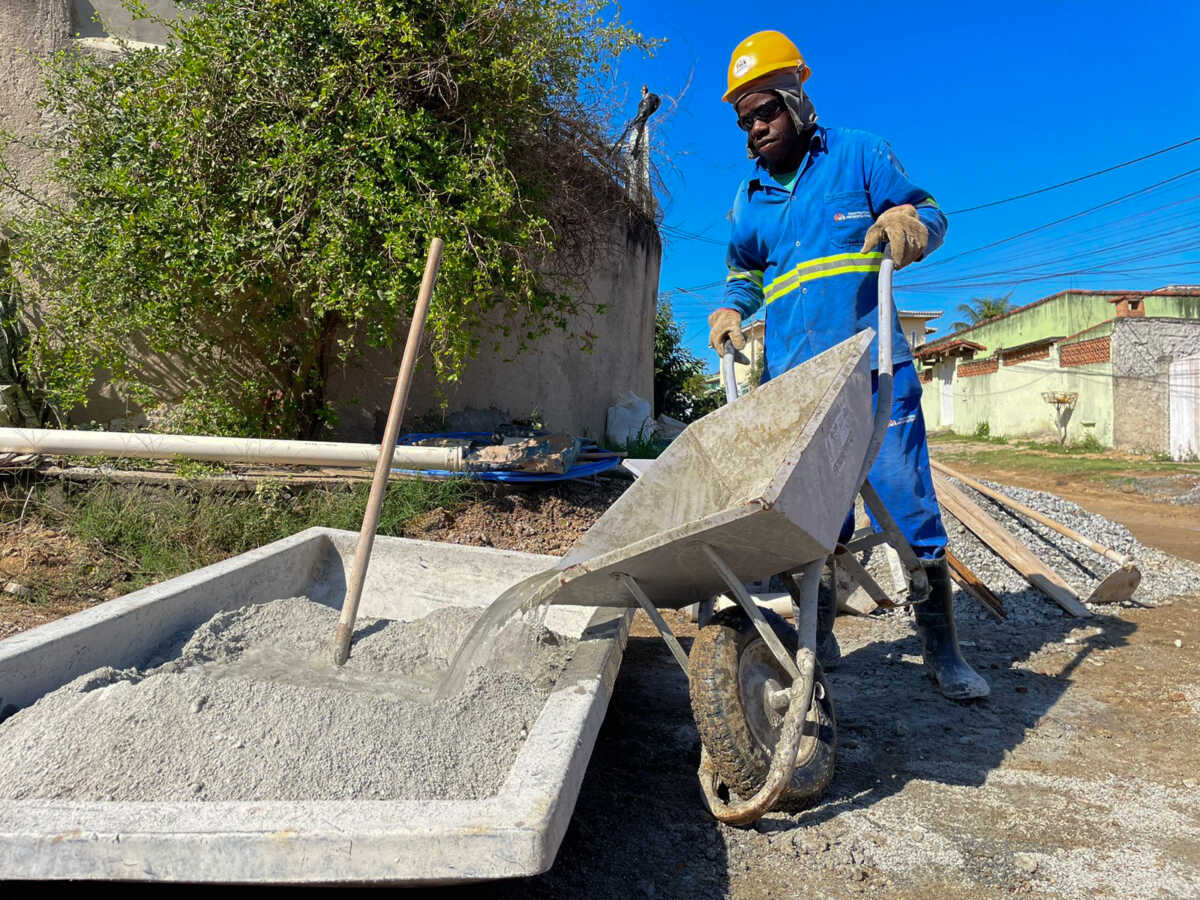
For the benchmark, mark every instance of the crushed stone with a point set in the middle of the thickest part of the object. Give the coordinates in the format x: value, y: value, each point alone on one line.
x: 1163, y: 576
x: 249, y: 707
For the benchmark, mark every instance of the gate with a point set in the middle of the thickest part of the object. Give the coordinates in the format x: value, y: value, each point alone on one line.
x: 1183, y: 388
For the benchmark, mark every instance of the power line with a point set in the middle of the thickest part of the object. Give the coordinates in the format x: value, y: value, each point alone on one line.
x: 1088, y: 211
x: 691, y: 235
x: 1054, y: 187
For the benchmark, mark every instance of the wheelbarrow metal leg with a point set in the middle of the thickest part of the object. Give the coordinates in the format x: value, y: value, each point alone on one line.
x: 863, y: 577
x: 656, y: 617
x: 751, y: 609
x: 916, y: 572
x: 803, y: 585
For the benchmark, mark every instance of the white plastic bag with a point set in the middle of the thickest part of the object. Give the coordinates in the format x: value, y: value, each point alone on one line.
x: 629, y: 419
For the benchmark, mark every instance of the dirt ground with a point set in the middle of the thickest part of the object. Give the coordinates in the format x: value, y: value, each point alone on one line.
x: 1079, y: 776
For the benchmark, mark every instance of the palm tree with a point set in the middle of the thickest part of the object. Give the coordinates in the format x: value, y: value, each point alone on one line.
x: 980, y: 309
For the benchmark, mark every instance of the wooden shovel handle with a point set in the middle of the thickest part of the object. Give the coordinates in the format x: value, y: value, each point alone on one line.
x: 366, y: 537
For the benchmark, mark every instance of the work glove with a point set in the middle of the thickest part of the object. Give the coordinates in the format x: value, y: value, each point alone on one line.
x: 725, y: 324
x: 900, y: 228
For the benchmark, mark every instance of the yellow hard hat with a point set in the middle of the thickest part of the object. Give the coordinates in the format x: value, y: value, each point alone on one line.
x: 761, y: 54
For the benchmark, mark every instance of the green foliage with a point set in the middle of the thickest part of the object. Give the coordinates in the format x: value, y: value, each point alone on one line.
x: 1089, y: 444
x: 25, y: 405
x: 983, y: 430
x: 193, y: 469
x: 980, y: 309
x: 161, y: 533
x: 680, y: 387
x: 256, y: 200
x: 643, y: 446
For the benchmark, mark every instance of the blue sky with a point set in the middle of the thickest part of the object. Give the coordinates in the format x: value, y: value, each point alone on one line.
x: 980, y: 102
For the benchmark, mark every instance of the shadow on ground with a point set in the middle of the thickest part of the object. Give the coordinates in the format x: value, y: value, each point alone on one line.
x: 640, y: 829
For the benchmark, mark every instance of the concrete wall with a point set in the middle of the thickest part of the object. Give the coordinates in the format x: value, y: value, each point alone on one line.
x: 1172, y: 306
x: 571, y: 389
x: 28, y: 29
x: 1142, y: 351
x: 116, y: 21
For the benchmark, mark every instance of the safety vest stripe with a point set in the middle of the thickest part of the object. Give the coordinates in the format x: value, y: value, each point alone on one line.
x: 813, y: 276
x: 824, y: 267
x: 754, y: 275
x: 825, y: 262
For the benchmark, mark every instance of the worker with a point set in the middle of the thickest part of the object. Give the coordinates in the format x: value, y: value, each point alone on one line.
x: 809, y: 225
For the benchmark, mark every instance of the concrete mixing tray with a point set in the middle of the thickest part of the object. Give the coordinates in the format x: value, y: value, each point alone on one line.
x: 515, y: 833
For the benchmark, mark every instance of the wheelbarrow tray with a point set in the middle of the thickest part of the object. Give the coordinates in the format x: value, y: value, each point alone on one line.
x: 514, y: 833
x: 767, y: 480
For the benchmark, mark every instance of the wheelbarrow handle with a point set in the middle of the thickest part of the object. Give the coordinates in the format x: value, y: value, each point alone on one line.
x: 728, y: 358
x: 886, y: 334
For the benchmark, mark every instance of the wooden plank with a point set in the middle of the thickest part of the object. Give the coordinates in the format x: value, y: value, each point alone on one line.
x: 1016, y: 554
x: 1031, y: 513
x: 970, y: 583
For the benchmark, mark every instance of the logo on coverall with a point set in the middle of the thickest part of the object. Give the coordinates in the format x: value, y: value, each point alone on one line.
x: 841, y: 216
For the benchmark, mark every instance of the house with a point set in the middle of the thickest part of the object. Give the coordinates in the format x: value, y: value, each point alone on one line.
x: 1120, y: 368
x: 915, y: 325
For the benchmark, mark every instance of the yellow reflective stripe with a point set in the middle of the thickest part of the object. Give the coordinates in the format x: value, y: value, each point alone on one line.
x: 813, y: 276
x: 754, y: 275
x: 822, y: 267
x: 929, y: 201
x: 823, y: 261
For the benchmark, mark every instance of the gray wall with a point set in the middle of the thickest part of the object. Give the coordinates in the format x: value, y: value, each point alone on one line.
x: 1142, y: 352
x: 115, y: 21
x: 570, y: 388
x: 28, y: 28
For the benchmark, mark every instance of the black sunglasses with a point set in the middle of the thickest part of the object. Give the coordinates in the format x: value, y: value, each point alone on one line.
x: 765, y: 112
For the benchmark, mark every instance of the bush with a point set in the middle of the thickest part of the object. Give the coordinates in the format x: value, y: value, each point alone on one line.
x: 681, y: 389
x: 983, y: 430
x: 256, y: 200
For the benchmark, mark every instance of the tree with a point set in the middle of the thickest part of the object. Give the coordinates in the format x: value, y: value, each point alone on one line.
x: 681, y: 389
x: 256, y: 199
x: 980, y: 309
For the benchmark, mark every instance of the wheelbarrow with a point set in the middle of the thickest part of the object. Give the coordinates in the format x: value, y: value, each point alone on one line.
x: 758, y: 488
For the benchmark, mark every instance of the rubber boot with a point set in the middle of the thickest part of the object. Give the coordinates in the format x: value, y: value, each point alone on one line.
x: 829, y: 654
x: 939, y: 639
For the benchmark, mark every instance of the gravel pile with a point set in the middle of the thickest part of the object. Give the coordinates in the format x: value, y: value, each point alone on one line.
x: 1163, y: 576
x: 250, y: 707
x: 1188, y: 498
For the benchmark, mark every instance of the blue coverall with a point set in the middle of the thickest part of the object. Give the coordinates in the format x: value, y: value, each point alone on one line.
x: 796, y: 251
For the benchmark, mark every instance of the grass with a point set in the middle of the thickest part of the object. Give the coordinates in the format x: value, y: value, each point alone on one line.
x: 640, y: 447
x: 160, y: 533
x: 1051, y: 457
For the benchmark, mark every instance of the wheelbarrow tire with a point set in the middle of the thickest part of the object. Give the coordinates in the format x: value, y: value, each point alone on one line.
x: 717, y: 669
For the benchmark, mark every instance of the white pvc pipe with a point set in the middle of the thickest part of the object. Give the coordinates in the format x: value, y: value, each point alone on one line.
x: 222, y: 449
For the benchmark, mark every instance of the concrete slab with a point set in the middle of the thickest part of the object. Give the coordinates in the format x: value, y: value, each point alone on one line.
x: 515, y: 833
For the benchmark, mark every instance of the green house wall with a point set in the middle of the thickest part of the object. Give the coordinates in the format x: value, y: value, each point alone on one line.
x: 1010, y: 399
